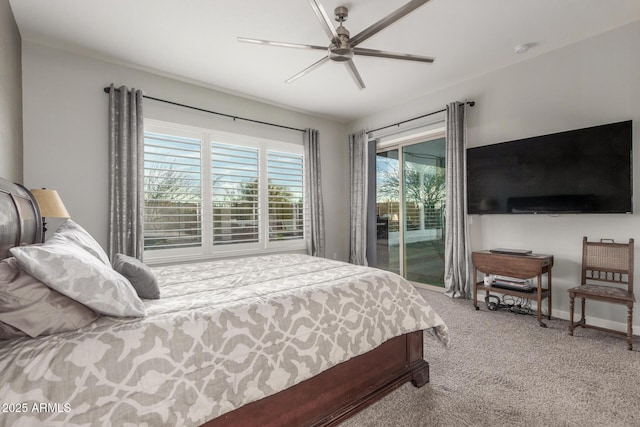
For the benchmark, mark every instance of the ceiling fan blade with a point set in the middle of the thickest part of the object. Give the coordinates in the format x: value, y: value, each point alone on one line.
x: 327, y: 26
x: 307, y: 70
x: 392, y: 55
x: 386, y: 21
x: 281, y: 44
x: 351, y: 67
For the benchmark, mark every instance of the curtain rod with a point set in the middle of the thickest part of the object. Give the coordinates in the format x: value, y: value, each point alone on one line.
x: 469, y: 103
x: 106, y: 90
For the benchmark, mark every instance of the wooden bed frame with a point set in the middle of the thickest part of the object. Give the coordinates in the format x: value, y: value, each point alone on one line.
x: 326, y: 399
x: 337, y: 393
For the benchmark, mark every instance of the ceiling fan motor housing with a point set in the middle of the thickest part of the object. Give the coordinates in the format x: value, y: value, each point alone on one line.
x: 340, y: 50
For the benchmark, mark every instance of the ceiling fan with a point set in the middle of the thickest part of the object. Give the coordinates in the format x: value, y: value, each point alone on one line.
x: 342, y: 47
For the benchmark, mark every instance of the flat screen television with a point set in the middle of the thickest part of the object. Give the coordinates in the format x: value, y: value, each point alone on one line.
x: 579, y: 171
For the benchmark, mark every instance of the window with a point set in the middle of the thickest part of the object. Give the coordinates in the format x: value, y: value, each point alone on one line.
x: 285, y: 196
x: 209, y: 192
x: 172, y: 192
x: 236, y: 205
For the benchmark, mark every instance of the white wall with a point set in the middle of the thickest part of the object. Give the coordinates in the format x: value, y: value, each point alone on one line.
x: 10, y: 96
x: 66, y: 133
x: 593, y: 82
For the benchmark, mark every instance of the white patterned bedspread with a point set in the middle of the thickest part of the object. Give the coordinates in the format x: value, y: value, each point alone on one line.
x: 223, y: 334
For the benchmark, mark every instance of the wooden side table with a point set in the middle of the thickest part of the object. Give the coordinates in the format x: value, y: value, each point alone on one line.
x: 518, y: 266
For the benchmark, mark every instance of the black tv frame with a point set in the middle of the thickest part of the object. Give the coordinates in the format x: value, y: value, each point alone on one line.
x: 588, y: 170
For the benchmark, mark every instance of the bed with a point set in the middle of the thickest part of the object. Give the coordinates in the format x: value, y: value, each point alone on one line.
x: 274, y: 340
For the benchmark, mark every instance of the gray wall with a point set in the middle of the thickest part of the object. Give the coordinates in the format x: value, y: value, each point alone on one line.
x: 66, y: 133
x: 592, y: 82
x: 589, y: 83
x: 10, y: 96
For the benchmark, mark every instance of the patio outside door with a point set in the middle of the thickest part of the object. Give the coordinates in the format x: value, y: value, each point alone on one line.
x: 410, y: 195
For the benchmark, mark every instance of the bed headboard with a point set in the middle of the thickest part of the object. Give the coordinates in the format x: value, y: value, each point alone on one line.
x: 20, y: 221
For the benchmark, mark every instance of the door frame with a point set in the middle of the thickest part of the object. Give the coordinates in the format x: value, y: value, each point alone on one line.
x: 398, y: 143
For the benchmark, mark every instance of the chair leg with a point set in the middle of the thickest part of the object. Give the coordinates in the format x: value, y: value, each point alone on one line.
x: 571, y: 305
x: 630, y: 326
x: 583, y: 319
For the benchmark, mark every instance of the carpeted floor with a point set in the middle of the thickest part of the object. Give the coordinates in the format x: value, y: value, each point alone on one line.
x: 503, y: 369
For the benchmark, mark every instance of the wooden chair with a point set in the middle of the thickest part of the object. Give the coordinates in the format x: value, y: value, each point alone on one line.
x: 607, y: 275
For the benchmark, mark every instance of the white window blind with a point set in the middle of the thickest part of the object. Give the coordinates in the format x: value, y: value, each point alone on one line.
x: 285, y: 190
x: 172, y: 192
x: 216, y: 193
x: 235, y: 184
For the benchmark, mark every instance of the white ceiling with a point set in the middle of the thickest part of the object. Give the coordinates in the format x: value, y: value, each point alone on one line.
x: 195, y: 40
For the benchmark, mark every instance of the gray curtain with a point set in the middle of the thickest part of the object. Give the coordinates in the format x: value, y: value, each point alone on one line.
x: 457, y: 264
x: 359, y: 175
x: 126, y: 172
x: 313, y: 194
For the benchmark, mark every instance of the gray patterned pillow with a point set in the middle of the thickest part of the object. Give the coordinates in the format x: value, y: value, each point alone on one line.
x: 29, y: 307
x: 74, y: 272
x: 78, y: 236
x: 141, y: 277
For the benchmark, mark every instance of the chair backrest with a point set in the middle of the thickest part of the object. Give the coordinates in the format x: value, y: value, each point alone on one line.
x: 606, y: 262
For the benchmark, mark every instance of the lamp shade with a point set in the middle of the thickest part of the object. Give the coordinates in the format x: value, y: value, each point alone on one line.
x: 50, y: 203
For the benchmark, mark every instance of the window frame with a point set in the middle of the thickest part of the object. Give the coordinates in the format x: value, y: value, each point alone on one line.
x: 207, y: 250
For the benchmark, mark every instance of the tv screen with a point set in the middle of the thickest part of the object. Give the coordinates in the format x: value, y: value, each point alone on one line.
x: 580, y: 171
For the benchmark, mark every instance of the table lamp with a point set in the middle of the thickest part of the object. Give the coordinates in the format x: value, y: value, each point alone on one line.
x: 50, y: 205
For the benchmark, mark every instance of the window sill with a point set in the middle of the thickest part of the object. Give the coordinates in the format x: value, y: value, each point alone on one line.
x: 187, y: 258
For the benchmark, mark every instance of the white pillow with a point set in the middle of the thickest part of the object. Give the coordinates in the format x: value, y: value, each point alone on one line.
x: 74, y: 272
x: 73, y: 233
x: 33, y: 308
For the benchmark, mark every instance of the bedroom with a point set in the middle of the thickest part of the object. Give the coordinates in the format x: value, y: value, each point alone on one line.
x: 63, y: 109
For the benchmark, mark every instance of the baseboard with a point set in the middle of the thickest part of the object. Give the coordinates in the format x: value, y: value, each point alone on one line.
x: 558, y: 314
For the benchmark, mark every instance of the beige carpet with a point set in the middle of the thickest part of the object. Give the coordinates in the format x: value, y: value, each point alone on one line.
x: 503, y: 369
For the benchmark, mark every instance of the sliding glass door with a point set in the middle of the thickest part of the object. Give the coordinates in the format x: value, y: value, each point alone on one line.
x: 410, y: 196
x: 423, y: 200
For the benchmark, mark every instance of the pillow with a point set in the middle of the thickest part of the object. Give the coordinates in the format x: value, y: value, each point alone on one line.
x: 141, y: 277
x: 29, y: 307
x: 74, y: 272
x: 78, y: 236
